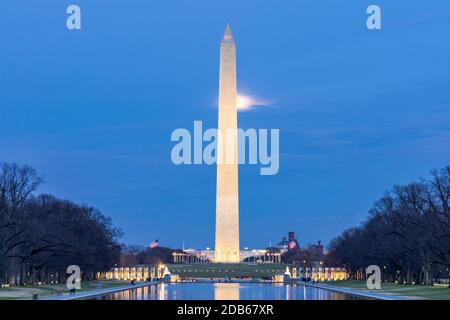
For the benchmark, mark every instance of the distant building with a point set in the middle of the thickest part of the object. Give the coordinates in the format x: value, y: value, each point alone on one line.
x: 316, y: 250
x: 283, y: 244
x: 292, y: 241
x: 291, y: 236
x: 288, y: 243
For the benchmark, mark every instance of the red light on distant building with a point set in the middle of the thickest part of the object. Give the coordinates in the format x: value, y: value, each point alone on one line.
x: 292, y: 244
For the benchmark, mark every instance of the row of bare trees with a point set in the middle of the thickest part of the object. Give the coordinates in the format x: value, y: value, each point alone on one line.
x: 407, y: 233
x: 40, y: 236
x: 148, y: 256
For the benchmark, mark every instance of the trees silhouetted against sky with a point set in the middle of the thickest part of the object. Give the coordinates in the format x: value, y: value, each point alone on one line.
x: 407, y: 233
x: 40, y: 236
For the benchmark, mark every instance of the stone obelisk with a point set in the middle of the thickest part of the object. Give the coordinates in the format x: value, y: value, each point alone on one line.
x: 227, y: 199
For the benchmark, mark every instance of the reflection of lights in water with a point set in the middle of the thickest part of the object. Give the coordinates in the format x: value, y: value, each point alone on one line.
x: 145, y: 293
x: 226, y: 291
x: 162, y: 291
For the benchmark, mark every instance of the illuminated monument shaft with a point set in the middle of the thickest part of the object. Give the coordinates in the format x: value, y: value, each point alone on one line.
x: 227, y: 199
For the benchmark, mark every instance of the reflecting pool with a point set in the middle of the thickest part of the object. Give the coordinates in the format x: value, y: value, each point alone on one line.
x: 227, y: 291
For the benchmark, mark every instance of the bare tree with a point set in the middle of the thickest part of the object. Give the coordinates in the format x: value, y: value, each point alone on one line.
x: 40, y: 236
x: 407, y: 232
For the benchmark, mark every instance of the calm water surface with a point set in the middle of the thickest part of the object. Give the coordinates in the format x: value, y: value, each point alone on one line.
x: 227, y: 291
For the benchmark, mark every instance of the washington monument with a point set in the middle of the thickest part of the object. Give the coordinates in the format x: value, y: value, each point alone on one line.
x: 227, y: 198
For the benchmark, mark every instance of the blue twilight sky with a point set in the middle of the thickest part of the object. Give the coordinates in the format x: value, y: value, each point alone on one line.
x: 93, y: 110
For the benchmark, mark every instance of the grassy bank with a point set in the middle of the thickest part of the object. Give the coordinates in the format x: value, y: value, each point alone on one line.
x: 214, y: 270
x: 48, y: 290
x: 428, y: 292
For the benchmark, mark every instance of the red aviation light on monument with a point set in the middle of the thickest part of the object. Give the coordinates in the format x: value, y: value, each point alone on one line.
x: 228, y: 36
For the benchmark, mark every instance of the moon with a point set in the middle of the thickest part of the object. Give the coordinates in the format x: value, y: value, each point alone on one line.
x: 246, y: 102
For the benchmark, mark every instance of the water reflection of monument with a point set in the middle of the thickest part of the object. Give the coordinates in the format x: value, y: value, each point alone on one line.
x: 226, y: 291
